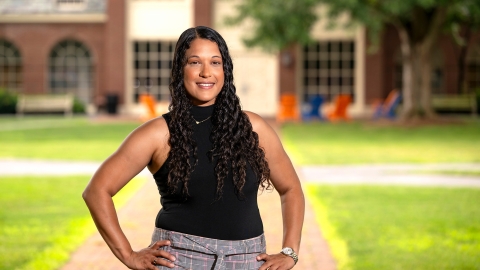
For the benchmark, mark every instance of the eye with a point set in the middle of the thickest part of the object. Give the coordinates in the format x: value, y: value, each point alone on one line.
x: 216, y: 63
x: 193, y: 62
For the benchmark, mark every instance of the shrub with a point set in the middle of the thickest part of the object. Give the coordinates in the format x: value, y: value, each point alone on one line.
x: 78, y: 106
x: 8, y: 101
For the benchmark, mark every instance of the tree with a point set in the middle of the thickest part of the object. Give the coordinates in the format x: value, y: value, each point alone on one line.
x: 463, y: 19
x: 279, y: 23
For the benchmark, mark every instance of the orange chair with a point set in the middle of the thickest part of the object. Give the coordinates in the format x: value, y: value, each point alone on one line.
x: 149, y: 102
x: 288, y: 108
x: 339, y: 111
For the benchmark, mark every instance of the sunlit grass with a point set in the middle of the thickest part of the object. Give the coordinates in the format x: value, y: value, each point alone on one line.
x: 387, y: 227
x: 43, y: 219
x: 61, y: 138
x: 356, y: 142
x: 450, y: 172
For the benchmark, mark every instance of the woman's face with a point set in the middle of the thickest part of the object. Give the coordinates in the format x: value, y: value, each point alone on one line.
x: 203, y: 73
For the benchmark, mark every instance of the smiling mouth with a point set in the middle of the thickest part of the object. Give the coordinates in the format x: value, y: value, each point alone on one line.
x: 205, y: 85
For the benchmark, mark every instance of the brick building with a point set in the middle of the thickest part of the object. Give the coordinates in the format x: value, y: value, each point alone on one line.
x: 98, y: 47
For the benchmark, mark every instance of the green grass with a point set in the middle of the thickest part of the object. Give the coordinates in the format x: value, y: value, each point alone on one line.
x: 387, y: 227
x: 60, y: 138
x: 449, y: 172
x: 355, y: 143
x: 43, y: 219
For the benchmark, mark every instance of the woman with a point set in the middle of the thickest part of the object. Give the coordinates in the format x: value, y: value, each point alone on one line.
x: 208, y: 158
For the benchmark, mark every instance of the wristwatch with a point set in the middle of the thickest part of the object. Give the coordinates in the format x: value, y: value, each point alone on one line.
x: 288, y: 251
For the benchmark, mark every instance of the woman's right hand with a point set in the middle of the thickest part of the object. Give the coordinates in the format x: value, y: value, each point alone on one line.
x: 148, y: 258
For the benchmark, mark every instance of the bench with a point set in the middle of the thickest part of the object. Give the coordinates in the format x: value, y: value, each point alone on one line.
x: 452, y: 103
x: 45, y: 103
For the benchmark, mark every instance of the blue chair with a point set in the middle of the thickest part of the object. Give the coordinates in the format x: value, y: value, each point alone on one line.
x: 311, y: 109
x: 388, y: 107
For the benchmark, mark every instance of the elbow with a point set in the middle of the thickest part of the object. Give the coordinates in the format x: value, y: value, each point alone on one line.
x: 87, y: 195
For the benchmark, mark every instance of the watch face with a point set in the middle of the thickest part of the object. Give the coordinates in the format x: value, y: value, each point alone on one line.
x: 287, y: 251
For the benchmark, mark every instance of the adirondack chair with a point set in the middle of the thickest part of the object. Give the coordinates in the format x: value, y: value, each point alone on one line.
x: 312, y: 108
x: 339, y: 110
x: 149, y: 102
x: 387, y: 108
x: 288, y: 108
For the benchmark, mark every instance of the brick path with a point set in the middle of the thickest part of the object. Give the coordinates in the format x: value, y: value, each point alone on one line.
x: 137, y: 220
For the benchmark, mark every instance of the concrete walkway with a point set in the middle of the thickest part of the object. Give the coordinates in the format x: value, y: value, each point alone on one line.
x: 137, y: 216
x: 394, y: 174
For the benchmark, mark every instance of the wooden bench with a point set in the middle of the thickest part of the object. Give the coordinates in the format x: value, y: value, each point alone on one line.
x: 452, y: 103
x: 45, y: 103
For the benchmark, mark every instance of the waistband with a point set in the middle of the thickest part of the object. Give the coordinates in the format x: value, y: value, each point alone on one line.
x: 220, y: 248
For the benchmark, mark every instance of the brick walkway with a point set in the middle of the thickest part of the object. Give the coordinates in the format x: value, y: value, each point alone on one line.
x: 137, y: 220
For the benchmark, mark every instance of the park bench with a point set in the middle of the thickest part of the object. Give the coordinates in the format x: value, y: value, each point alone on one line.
x: 45, y: 103
x: 452, y: 103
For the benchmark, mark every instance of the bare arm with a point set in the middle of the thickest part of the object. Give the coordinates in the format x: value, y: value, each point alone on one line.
x: 286, y: 182
x: 147, y: 145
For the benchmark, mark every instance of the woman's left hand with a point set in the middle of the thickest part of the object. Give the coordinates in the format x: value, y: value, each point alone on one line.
x: 276, y: 262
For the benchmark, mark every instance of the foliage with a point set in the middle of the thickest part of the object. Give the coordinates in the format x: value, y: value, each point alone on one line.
x: 78, y: 106
x: 418, y: 23
x: 8, y: 102
x: 48, y: 138
x: 277, y: 23
x: 393, y: 227
x: 347, y: 143
x: 450, y: 172
x: 30, y: 211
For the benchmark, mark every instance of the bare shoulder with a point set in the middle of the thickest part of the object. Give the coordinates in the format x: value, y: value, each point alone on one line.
x: 153, y: 129
x: 259, y: 125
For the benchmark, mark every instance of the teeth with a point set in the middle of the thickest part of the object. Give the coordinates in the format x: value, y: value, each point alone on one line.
x: 205, y: 84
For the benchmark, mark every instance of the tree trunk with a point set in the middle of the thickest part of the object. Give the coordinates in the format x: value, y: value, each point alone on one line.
x: 425, y: 47
x: 407, y: 74
x: 425, y: 86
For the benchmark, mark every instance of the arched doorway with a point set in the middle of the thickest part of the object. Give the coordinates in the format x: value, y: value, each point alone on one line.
x: 71, y: 70
x: 10, y: 67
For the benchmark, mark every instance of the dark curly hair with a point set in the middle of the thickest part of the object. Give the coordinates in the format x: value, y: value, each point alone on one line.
x: 234, y: 142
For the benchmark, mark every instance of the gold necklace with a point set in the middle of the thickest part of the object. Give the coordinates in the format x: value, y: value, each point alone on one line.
x: 198, y: 122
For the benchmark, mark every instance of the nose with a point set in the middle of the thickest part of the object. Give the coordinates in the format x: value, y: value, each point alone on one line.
x: 205, y: 71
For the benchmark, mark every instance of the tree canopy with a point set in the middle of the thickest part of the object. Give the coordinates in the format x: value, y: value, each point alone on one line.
x: 280, y: 23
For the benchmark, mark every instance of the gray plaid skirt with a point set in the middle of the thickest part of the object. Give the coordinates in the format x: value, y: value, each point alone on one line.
x: 201, y: 253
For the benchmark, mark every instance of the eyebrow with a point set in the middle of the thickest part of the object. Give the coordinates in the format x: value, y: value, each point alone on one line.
x: 215, y: 56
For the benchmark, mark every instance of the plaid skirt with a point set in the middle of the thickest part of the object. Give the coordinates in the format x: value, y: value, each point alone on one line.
x: 201, y: 253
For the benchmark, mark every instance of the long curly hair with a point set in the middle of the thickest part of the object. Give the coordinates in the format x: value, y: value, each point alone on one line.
x: 235, y: 144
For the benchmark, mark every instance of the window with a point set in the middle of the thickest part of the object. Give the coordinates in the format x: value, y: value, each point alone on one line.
x: 152, y: 66
x: 71, y: 70
x: 71, y: 5
x: 61, y: 2
x: 328, y: 69
x: 10, y: 67
x: 473, y: 69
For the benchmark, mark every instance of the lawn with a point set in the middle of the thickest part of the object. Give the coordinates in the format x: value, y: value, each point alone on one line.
x: 359, y: 142
x: 393, y: 227
x: 367, y: 227
x: 386, y: 227
x: 61, y: 138
x: 43, y: 219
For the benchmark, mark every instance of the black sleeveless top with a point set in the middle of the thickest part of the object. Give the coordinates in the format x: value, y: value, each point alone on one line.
x: 231, y: 217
